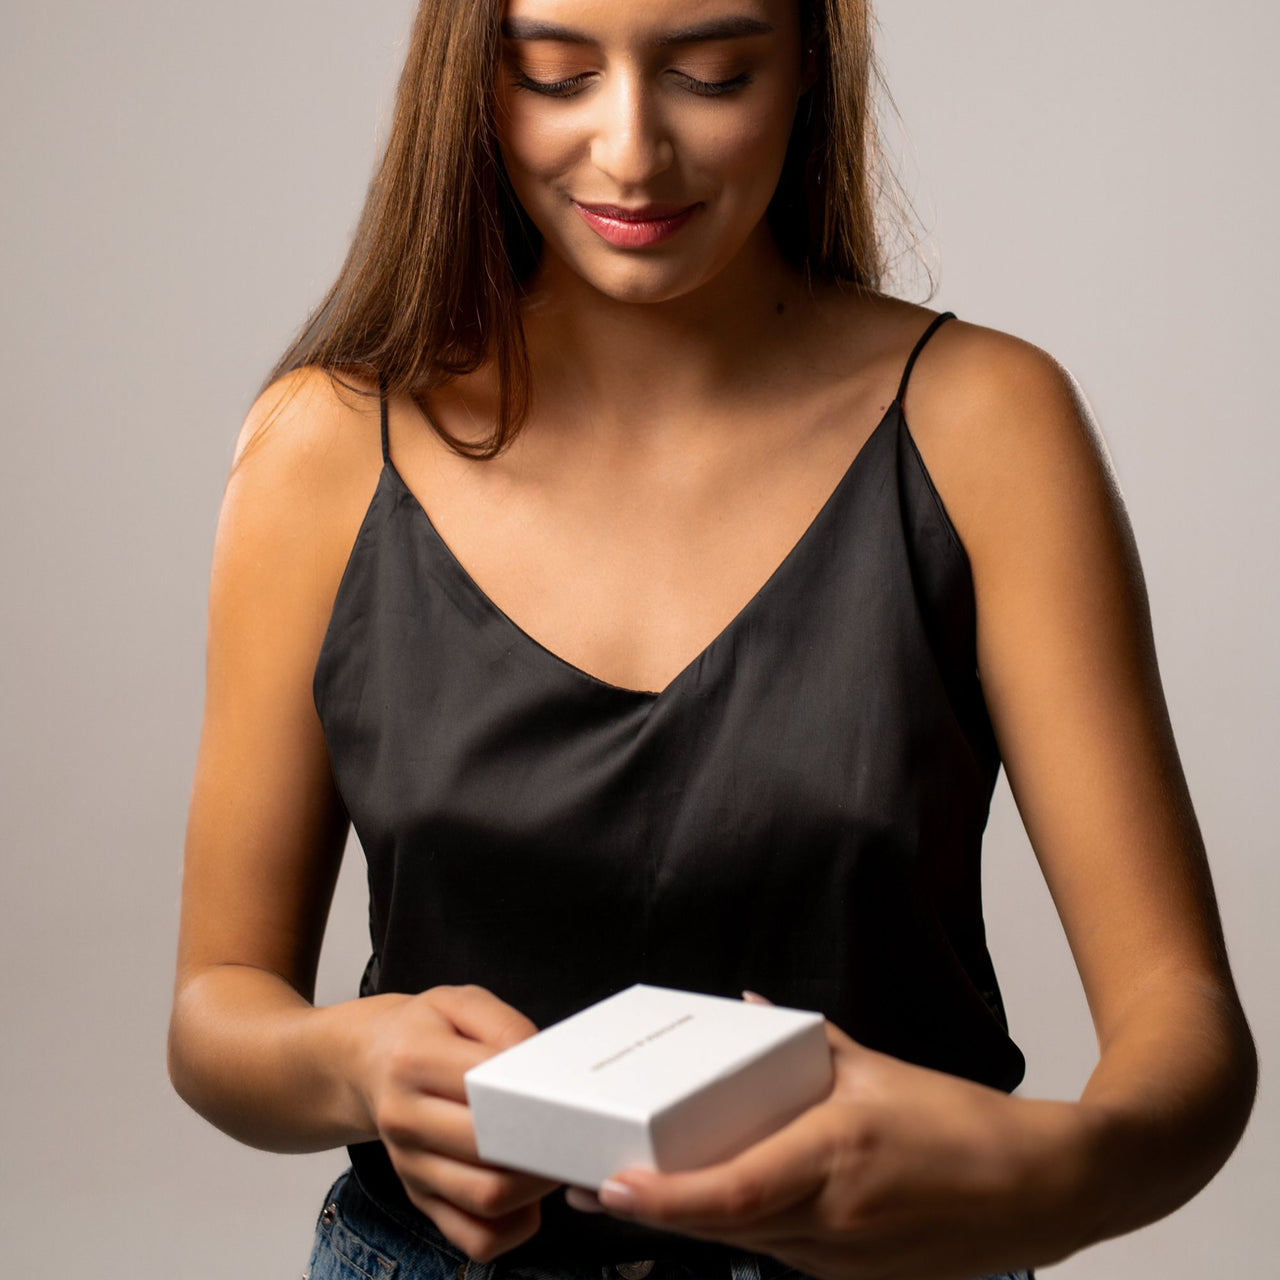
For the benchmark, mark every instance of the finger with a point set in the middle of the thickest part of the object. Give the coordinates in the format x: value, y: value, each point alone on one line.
x: 482, y: 1239
x: 841, y: 1041
x: 437, y: 1060
x: 476, y: 1012
x: 762, y: 1182
x: 426, y: 1125
x: 484, y: 1191
x: 428, y: 1122
x: 584, y: 1199
x: 438, y: 1066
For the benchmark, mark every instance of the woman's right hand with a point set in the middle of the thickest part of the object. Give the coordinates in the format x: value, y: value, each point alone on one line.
x: 414, y: 1055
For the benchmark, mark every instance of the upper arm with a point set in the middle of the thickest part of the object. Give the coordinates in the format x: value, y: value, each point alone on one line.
x: 1068, y: 663
x: 266, y: 827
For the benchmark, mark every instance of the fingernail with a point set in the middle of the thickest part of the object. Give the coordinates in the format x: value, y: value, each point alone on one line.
x: 754, y: 997
x: 616, y: 1195
x: 578, y: 1198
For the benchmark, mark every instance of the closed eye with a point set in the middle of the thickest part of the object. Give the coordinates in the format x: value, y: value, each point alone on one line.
x: 567, y: 88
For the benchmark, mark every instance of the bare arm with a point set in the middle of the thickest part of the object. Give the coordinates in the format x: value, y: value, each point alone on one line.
x: 903, y: 1169
x: 1069, y: 670
x: 266, y: 827
x: 247, y: 1048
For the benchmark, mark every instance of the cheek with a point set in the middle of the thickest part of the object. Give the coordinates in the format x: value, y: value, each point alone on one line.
x: 536, y: 143
x: 741, y: 143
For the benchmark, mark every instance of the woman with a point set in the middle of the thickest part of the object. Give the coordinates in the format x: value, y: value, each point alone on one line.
x: 729, y: 706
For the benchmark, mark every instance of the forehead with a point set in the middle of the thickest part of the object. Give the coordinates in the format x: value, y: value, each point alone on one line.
x: 655, y: 22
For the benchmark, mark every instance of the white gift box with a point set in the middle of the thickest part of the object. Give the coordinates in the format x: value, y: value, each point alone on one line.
x: 650, y: 1077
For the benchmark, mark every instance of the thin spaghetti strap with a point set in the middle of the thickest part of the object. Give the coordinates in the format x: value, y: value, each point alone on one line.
x: 382, y: 400
x: 915, y: 351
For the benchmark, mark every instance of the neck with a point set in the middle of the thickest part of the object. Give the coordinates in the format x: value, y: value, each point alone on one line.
x: 644, y: 366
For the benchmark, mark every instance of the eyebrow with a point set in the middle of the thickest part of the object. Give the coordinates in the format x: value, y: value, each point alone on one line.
x: 716, y: 29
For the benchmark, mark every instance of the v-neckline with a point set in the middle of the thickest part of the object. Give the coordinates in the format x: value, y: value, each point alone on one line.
x: 652, y: 696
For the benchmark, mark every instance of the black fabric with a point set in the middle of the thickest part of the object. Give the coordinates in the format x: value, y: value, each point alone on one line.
x: 799, y: 812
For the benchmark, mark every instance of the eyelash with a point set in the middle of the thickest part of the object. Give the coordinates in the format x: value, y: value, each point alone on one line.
x: 564, y: 88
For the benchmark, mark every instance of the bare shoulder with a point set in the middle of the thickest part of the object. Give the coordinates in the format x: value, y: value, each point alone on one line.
x: 1007, y: 435
x: 1002, y: 426
x: 305, y: 466
x: 312, y: 426
x: 305, y: 469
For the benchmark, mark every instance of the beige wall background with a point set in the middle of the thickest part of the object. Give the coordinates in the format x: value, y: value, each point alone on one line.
x: 180, y: 181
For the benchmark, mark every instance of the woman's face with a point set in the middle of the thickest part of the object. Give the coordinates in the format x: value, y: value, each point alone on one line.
x: 678, y: 109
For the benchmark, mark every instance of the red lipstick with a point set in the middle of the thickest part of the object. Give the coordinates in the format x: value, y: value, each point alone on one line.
x: 635, y: 228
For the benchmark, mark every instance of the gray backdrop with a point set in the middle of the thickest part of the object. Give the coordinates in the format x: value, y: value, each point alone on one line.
x: 180, y: 181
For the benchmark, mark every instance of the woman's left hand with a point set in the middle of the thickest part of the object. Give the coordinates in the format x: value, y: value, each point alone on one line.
x: 899, y: 1171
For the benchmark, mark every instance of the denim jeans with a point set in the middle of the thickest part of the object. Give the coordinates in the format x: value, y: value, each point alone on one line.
x: 357, y: 1239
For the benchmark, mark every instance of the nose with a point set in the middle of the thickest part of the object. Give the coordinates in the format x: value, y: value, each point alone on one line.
x: 631, y: 142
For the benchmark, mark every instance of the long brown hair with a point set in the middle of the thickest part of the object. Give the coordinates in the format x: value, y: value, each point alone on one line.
x: 431, y: 285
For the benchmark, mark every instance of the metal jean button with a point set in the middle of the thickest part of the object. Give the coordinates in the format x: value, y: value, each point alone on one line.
x: 633, y: 1270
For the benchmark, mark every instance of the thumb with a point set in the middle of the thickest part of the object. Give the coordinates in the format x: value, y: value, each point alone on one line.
x: 837, y: 1040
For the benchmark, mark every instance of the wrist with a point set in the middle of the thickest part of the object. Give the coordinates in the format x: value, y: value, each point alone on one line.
x: 348, y: 1039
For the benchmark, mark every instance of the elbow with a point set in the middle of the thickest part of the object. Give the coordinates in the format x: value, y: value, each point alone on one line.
x: 1237, y: 1062
x: 182, y: 1058
x: 176, y: 1058
x: 1244, y: 1072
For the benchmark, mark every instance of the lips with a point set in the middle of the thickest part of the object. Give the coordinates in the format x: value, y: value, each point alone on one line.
x: 638, y: 227
x: 640, y: 213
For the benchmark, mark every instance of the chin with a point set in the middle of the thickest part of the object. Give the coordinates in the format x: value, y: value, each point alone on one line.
x: 642, y: 279
x: 651, y: 288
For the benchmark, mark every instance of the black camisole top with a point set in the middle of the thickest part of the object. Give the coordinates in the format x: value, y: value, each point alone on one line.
x: 799, y: 812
